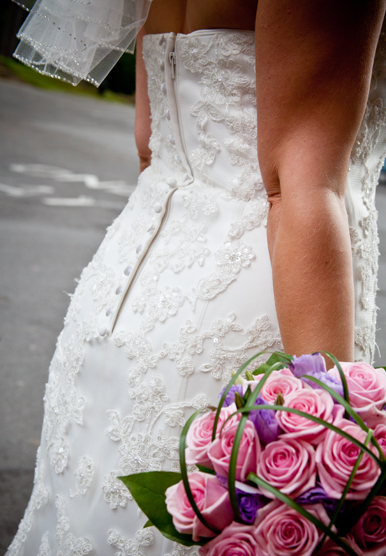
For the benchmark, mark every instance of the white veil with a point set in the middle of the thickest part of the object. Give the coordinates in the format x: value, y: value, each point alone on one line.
x: 78, y: 39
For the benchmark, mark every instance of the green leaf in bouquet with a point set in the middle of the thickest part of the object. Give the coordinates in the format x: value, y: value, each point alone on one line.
x: 302, y: 511
x: 239, y: 401
x: 260, y: 370
x: 346, y: 489
x: 206, y: 470
x: 277, y: 357
x: 249, y: 375
x: 184, y: 473
x: 148, y: 524
x: 148, y: 490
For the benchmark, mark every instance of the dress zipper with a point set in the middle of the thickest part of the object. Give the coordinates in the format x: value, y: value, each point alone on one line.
x: 172, y: 60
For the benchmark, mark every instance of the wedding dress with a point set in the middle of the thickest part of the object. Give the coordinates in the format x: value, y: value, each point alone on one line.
x: 178, y: 295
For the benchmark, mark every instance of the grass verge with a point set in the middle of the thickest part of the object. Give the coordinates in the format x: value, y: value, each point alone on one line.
x: 13, y: 69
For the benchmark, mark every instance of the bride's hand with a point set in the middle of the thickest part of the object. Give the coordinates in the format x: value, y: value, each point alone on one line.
x: 313, y: 69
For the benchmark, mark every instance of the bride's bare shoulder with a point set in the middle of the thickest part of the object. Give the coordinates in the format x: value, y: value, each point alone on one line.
x: 185, y: 16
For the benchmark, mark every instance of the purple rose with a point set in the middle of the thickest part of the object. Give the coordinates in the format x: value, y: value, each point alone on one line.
x: 248, y: 497
x: 265, y: 422
x: 230, y: 397
x: 315, y: 366
x: 249, y: 501
x: 318, y: 495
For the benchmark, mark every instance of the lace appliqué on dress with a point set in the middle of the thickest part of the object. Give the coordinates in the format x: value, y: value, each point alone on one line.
x: 63, y: 406
x: 231, y: 258
x: 226, y: 88
x: 38, y: 499
x: 130, y: 547
x: 69, y: 544
x: 83, y: 475
x: 44, y: 548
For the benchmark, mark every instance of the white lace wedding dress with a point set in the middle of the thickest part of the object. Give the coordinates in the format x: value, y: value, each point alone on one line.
x: 176, y: 298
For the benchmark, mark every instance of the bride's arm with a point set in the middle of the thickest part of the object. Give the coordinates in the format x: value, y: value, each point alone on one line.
x: 313, y: 68
x: 142, y: 108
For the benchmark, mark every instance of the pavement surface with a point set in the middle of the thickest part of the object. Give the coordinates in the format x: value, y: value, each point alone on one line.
x: 67, y: 165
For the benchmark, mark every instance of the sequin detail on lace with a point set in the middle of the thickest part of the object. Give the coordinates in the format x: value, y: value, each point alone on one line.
x: 83, y: 475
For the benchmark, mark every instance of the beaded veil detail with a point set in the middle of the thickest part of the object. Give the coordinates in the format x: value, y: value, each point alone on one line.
x: 76, y: 40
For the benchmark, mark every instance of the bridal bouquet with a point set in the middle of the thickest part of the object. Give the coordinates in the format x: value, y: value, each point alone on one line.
x: 291, y: 463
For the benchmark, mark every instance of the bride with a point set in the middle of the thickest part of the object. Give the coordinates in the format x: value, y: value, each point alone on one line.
x: 185, y: 285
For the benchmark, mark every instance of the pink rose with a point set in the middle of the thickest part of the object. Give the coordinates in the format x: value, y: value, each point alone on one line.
x: 248, y: 455
x: 235, y: 540
x: 199, y: 435
x: 370, y: 531
x: 367, y: 387
x: 335, y: 459
x: 329, y: 548
x: 279, y: 382
x: 380, y: 436
x: 315, y: 402
x: 289, y: 465
x: 212, y: 500
x: 282, y: 531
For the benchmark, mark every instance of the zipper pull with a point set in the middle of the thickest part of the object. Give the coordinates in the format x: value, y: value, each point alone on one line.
x: 172, y: 60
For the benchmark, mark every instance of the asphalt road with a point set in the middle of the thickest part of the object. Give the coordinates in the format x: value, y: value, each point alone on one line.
x: 67, y: 166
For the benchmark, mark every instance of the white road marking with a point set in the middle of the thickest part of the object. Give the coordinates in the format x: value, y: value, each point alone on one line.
x: 91, y: 181
x: 27, y: 191
x: 81, y: 201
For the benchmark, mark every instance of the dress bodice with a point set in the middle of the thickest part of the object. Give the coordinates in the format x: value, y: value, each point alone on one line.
x: 203, y: 106
x: 202, y: 89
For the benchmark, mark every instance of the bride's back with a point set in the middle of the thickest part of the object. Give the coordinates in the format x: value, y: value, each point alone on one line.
x: 185, y: 16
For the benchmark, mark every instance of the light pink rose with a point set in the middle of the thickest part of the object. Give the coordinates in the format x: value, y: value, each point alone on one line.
x: 370, y: 531
x: 212, y: 500
x: 315, y: 402
x: 380, y: 436
x: 329, y: 548
x: 367, y: 387
x: 235, y: 540
x: 335, y: 459
x: 248, y: 455
x: 289, y: 465
x: 279, y: 382
x: 199, y: 435
x: 282, y: 531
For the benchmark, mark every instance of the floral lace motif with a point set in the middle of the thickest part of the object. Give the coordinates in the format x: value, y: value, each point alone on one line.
x: 45, y: 549
x: 180, y: 550
x: 69, y: 544
x: 83, y: 475
x: 38, y: 499
x: 131, y: 547
x: 364, y: 231
x: 231, y: 258
x: 116, y: 494
x: 226, y: 89
x: 63, y: 406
